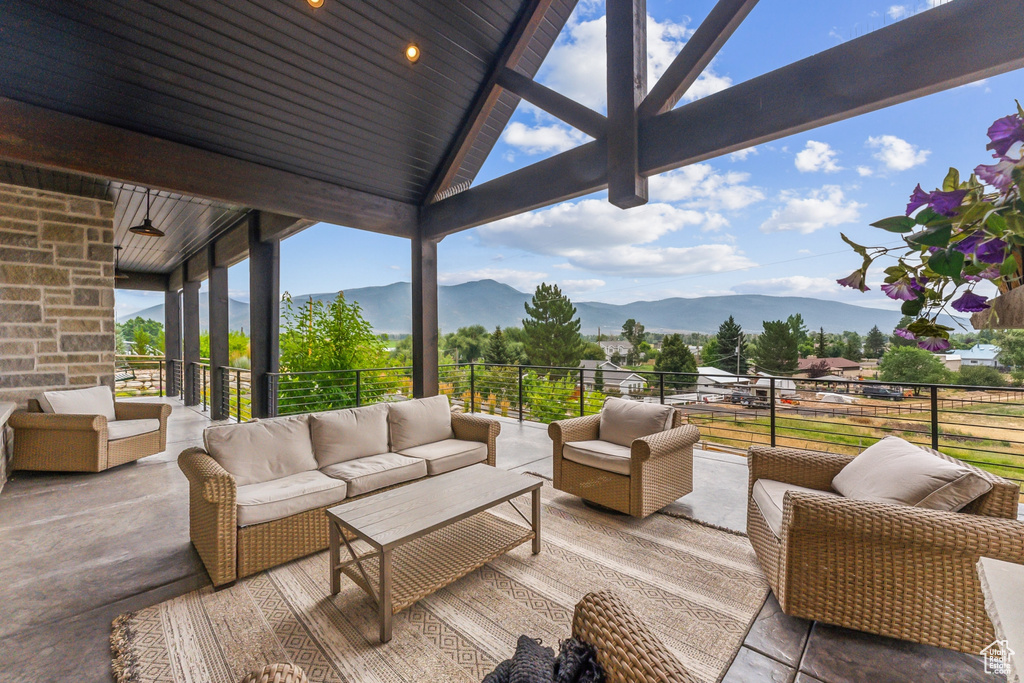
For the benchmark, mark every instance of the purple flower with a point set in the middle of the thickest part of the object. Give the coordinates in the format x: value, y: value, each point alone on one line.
x: 1004, y: 133
x: 992, y: 251
x: 999, y: 175
x: 906, y: 334
x: 903, y: 289
x: 990, y: 273
x: 934, y: 344
x: 855, y: 280
x: 970, y: 303
x: 971, y: 278
x: 969, y: 244
x: 947, y: 203
x: 918, y: 198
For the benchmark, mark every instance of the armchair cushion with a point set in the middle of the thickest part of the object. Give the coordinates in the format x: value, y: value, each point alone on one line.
x: 376, y: 472
x: 450, y: 454
x: 770, y: 495
x: 287, y: 496
x: 896, y: 471
x: 602, y: 455
x: 623, y: 420
x: 254, y: 452
x: 91, y: 401
x: 342, y: 435
x: 423, y: 420
x: 122, y: 429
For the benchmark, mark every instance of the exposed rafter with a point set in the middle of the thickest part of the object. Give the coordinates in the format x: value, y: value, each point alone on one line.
x: 558, y: 105
x: 50, y: 139
x: 627, y: 85
x: 724, y: 18
x: 979, y: 39
x: 518, y: 39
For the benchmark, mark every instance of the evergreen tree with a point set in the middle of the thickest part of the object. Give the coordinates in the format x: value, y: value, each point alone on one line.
x: 797, y: 327
x: 498, y: 351
x: 896, y: 340
x: 709, y: 352
x: 874, y: 343
x: 633, y: 332
x: 822, y: 343
x: 731, y: 343
x: 552, y: 329
x: 852, y: 349
x: 776, y: 348
x: 599, y: 380
x: 675, y: 356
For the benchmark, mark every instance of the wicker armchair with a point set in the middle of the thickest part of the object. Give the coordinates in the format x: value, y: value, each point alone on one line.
x: 660, y: 471
x: 79, y: 443
x: 893, y: 570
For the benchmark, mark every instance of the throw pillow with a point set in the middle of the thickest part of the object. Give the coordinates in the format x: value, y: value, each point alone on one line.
x: 254, y: 452
x: 623, y: 420
x: 92, y: 401
x: 422, y: 420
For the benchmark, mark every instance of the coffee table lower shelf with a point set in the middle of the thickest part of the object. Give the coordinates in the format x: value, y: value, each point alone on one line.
x: 428, y: 563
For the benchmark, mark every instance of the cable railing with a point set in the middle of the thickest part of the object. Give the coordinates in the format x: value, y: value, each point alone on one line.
x: 136, y: 375
x: 236, y: 392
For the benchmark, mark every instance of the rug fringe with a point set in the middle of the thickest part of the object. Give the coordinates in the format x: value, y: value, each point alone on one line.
x: 123, y: 664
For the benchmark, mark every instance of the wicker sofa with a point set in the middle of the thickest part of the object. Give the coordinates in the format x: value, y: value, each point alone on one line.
x: 637, y: 473
x: 101, y: 434
x: 258, y: 491
x: 884, y: 568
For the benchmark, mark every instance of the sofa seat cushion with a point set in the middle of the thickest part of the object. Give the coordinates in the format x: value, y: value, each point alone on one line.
x: 341, y: 435
x: 602, y: 455
x: 896, y: 471
x: 769, y: 495
x: 122, y: 429
x: 287, y: 496
x: 420, y: 421
x: 91, y: 401
x: 262, y: 451
x: 623, y: 420
x: 376, y: 472
x: 450, y: 454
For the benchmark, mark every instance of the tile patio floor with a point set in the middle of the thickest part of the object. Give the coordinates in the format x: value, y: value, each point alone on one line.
x: 77, y: 550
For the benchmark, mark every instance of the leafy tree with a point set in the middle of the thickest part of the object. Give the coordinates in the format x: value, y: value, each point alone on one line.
x: 731, y: 347
x: 709, y: 352
x: 911, y: 364
x: 776, y: 348
x: 598, y: 379
x: 120, y: 344
x: 1011, y: 345
x: 467, y: 344
x: 633, y: 332
x: 797, y: 327
x: 552, y: 328
x: 818, y: 369
x: 852, y: 348
x: 822, y: 343
x: 146, y: 336
x: 593, y: 351
x: 874, y: 343
x: 979, y: 376
x: 675, y: 356
x: 617, y: 359
x: 896, y: 340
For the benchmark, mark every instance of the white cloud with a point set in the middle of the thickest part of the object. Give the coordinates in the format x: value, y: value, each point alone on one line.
x: 701, y: 186
x: 742, y: 154
x: 580, y: 286
x: 664, y: 261
x: 864, y: 171
x: 542, y: 139
x: 897, y: 12
x: 896, y: 153
x: 522, y: 280
x: 817, y: 156
x: 795, y: 285
x: 819, y: 209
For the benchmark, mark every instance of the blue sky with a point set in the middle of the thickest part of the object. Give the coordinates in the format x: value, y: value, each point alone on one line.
x: 766, y: 220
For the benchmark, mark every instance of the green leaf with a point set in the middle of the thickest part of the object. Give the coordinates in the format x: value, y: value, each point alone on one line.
x: 895, y: 224
x: 951, y: 181
x: 928, y: 217
x: 932, y: 237
x: 912, y: 307
x: 1009, y: 266
x: 948, y: 262
x: 996, y: 222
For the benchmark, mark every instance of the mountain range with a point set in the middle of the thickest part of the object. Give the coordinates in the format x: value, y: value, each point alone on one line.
x: 489, y: 303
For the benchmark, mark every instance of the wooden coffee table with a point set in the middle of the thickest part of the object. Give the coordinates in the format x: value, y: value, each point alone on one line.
x: 428, y: 534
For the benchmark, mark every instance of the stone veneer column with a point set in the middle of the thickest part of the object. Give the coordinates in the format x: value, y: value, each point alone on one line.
x: 56, y: 292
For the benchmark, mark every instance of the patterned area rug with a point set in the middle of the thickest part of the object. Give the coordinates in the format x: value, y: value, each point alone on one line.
x: 699, y: 588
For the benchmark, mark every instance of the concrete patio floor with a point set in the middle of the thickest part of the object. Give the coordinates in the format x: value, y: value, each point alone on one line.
x: 78, y: 550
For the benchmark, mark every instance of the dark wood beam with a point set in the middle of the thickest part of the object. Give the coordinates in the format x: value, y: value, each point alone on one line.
x: 979, y: 39
x: 724, y: 18
x: 530, y: 19
x: 424, y: 318
x: 49, y: 139
x: 190, y: 338
x: 217, y: 311
x: 627, y: 85
x: 147, y: 282
x: 264, y: 314
x: 558, y: 105
x: 172, y: 338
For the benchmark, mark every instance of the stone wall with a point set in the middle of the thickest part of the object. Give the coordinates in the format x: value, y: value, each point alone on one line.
x: 56, y: 292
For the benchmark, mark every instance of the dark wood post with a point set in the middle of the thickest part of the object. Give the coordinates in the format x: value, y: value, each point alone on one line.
x: 190, y: 329
x: 424, y: 317
x: 172, y: 338
x: 218, y: 326
x: 627, y: 86
x: 264, y: 315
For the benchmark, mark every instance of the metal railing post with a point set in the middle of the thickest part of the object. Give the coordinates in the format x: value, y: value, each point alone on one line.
x: 160, y: 377
x: 935, y: 417
x: 472, y: 388
x: 238, y: 390
x: 771, y: 389
x: 520, y: 368
x: 203, y: 369
x: 272, y: 395
x: 359, y: 388
x: 661, y: 388
x: 581, y: 393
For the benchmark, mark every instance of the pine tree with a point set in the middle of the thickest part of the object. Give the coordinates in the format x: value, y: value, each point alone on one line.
x: 852, y: 348
x: 776, y: 349
x: 552, y: 329
x: 797, y: 327
x: 498, y: 351
x: 822, y: 343
x: 730, y: 340
x: 675, y: 356
x: 874, y: 343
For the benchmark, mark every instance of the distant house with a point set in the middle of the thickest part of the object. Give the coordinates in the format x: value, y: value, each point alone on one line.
x: 615, y: 347
x: 717, y: 381
x: 952, y: 361
x: 612, y: 377
x: 784, y: 386
x: 981, y: 354
x: 836, y: 366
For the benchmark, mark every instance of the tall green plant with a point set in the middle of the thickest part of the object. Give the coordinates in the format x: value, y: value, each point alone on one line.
x: 552, y: 329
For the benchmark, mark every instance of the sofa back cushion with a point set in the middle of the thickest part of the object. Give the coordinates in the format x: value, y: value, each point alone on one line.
x: 422, y: 420
x: 255, y: 452
x: 896, y: 471
x: 92, y: 401
x: 623, y: 420
x: 342, y: 435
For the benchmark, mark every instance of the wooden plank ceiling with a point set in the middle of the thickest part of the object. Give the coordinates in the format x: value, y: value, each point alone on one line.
x: 323, y: 93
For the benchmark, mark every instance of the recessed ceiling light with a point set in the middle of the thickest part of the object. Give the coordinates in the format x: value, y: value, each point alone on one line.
x: 412, y: 53
x: 315, y: 3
